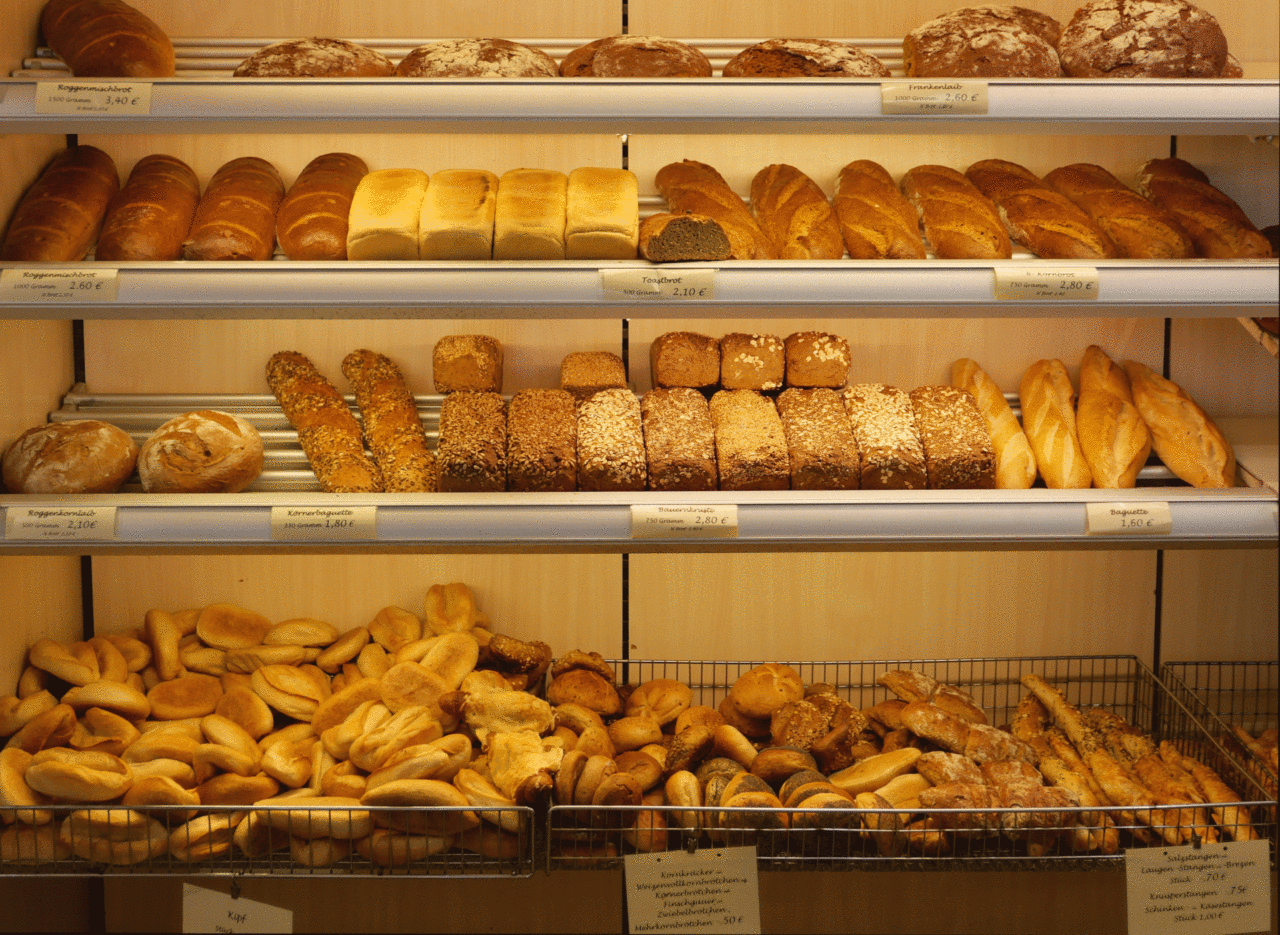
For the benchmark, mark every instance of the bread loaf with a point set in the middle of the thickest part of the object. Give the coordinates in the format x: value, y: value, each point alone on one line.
x: 695, y: 188
x: 476, y: 58
x: 822, y: 452
x: 584, y: 373
x: 984, y: 42
x: 602, y: 214
x: 1182, y: 434
x: 795, y: 215
x: 679, y: 440
x: 751, y: 447
x: 958, y: 454
x: 1113, y: 435
x: 392, y: 429
x: 201, y: 452
x: 529, y: 219
x: 815, y: 358
x: 472, y: 451
x: 959, y: 222
x: 313, y: 218
x: 383, y: 223
x: 810, y: 58
x: 677, y: 238
x: 1217, y: 225
x: 315, y: 58
x: 635, y: 57
x: 542, y: 441
x: 236, y: 218
x: 1049, y: 419
x: 684, y: 358
x: 150, y: 217
x: 327, y: 431
x: 467, y: 362
x: 80, y: 456
x: 106, y: 39
x: 611, y: 442
x: 890, y: 454
x: 1140, y: 229
x: 1151, y: 39
x: 61, y: 214
x: 1015, y: 461
x: 876, y: 221
x: 752, y: 362
x: 457, y: 216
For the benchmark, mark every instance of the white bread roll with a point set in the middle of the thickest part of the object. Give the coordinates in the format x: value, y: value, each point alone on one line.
x: 457, y: 216
x: 530, y: 217
x: 1113, y: 437
x: 383, y: 224
x: 1049, y: 419
x: 602, y: 215
x: 1015, y: 461
x: 1182, y: 434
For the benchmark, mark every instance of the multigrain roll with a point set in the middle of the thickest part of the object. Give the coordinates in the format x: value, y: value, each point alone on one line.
x: 957, y: 448
x: 542, y: 441
x: 815, y: 358
x: 752, y: 362
x: 149, y: 218
x: 585, y: 373
x: 1114, y: 438
x: 393, y: 430
x: 891, y: 456
x: 1049, y: 419
x: 457, y: 215
x: 820, y: 444
x: 1015, y: 461
x: 315, y: 58
x: 476, y: 58
x: 472, y: 452
x: 611, y: 452
x: 679, y: 440
x: 751, y: 447
x: 809, y: 58
x: 313, y: 219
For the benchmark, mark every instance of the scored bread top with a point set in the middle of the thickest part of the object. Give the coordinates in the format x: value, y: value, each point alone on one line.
x: 315, y: 58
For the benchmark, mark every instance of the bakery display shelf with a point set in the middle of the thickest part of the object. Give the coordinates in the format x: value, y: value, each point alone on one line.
x: 585, y: 289
x: 836, y: 839
x: 204, y: 98
x: 287, y: 839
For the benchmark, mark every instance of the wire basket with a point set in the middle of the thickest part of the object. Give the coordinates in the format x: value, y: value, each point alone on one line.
x: 940, y: 839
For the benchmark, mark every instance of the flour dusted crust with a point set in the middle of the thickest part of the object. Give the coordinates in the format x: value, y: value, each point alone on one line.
x: 315, y: 58
x: 635, y: 57
x: 813, y: 58
x: 1143, y: 39
x: 476, y: 58
x: 80, y: 456
x: 983, y: 42
x: 201, y: 452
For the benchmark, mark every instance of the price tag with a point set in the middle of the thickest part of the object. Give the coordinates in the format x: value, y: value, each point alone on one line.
x: 714, y: 890
x: 1055, y: 285
x: 663, y: 283
x: 933, y: 97
x: 28, y: 286
x: 324, y: 522
x: 60, y: 523
x: 1217, y: 889
x: 93, y: 97
x: 1128, y: 519
x: 211, y: 911
x: 684, y: 522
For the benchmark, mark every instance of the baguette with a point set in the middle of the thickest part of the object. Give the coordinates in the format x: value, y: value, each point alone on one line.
x: 696, y: 188
x: 1015, y: 461
x: 236, y: 218
x: 876, y: 220
x: 60, y: 215
x: 150, y: 217
x: 392, y: 429
x: 1182, y: 434
x: 1139, y: 228
x: 1049, y: 419
x: 960, y: 223
x: 327, y: 431
x: 1113, y: 437
x: 106, y: 39
x: 1217, y: 225
x: 313, y: 218
x: 794, y: 213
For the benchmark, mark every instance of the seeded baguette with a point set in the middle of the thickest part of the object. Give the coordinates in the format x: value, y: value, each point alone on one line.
x: 392, y: 429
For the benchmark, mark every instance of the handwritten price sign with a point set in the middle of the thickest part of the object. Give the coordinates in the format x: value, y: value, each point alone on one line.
x: 1217, y: 889
x: 684, y: 522
x: 57, y: 286
x: 337, y: 522
x: 92, y: 97
x: 933, y: 98
x: 1055, y: 284
x: 1128, y: 519
x: 60, y: 524
x: 663, y: 284
x: 714, y: 890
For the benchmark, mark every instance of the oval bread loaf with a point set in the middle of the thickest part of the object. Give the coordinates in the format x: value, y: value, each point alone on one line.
x: 1182, y: 434
x: 150, y: 217
x: 107, y: 39
x: 312, y: 221
x: 61, y: 214
x: 1049, y: 419
x: 236, y: 218
x: 1113, y: 436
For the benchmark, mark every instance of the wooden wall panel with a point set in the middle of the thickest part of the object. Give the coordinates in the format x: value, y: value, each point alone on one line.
x: 1223, y: 367
x: 36, y: 371
x: 41, y: 599
x: 1221, y: 605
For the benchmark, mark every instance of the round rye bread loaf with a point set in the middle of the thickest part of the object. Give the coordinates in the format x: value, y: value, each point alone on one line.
x: 984, y: 42
x: 1143, y: 39
x: 812, y: 58
x: 476, y: 58
x: 315, y: 58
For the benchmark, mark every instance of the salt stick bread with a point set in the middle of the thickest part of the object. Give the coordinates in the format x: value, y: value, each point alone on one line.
x: 794, y: 213
x: 1182, y: 434
x: 457, y: 215
x: 1015, y: 461
x: 751, y: 447
x: 1114, y: 438
x: 1049, y: 419
x: 1044, y: 221
x: 679, y: 439
x: 958, y: 454
x: 236, y: 217
x: 149, y: 218
x: 1140, y: 229
x: 876, y: 220
x: 960, y: 223
x: 821, y: 448
x: 890, y: 454
x: 542, y: 441
x: 313, y: 219
x: 106, y: 39
x: 472, y: 451
x: 602, y: 214
x: 327, y: 431
x: 392, y: 429
x: 529, y: 218
x: 1217, y: 225
x: 611, y: 442
x: 696, y: 188
x: 383, y: 223
x: 60, y: 215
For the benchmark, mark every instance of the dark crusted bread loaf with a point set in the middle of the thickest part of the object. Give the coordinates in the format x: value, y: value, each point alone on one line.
x: 315, y: 58
x: 472, y: 451
x: 983, y: 42
x: 1143, y: 39
x: 958, y: 453
x: 891, y: 456
x: 150, y: 217
x: 611, y: 442
x: 635, y: 57
x: 542, y: 441
x: 61, y: 214
x: 820, y: 444
x: 476, y: 58
x: 1217, y: 225
x: 236, y: 217
x: 312, y: 221
x: 696, y: 188
x: 751, y: 447
x: 106, y: 39
x: 876, y: 220
x: 679, y: 440
x: 1139, y: 228
x: 810, y: 58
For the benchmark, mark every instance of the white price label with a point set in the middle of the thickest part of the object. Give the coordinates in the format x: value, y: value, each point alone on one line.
x: 1128, y: 519
x: 27, y: 286
x: 1055, y: 284
x: 663, y: 283
x: 1216, y: 889
x: 211, y: 911
x: 60, y: 523
x: 93, y: 97
x: 684, y: 522
x: 714, y: 890
x: 324, y: 522
x: 933, y: 97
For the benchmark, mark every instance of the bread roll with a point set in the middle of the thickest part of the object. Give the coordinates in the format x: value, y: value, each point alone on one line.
x: 1139, y: 228
x: 80, y: 456
x: 383, y: 224
x: 695, y: 188
x: 315, y: 58
x: 1217, y: 225
x: 1114, y: 438
x: 201, y: 452
x: 959, y: 222
x: 677, y: 238
x: 631, y: 56
x: 1015, y: 461
x: 529, y: 218
x: 679, y: 440
x: 61, y: 214
x: 476, y: 58
x: 1182, y: 434
x: 106, y: 39
x: 810, y: 58
x: 684, y: 358
x: 150, y: 217
x: 458, y: 215
x: 876, y: 220
x: 1049, y: 419
x: 751, y: 447
x: 611, y: 452
x: 815, y: 358
x: 602, y: 214
x: 795, y: 215
x: 312, y: 222
x: 236, y: 217
x: 392, y: 429
x: 472, y: 451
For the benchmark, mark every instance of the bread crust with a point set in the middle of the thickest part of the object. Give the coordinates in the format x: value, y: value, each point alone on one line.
x: 959, y: 222
x: 315, y: 58
x: 794, y: 213
x: 476, y: 58
x: 810, y: 58
x: 1146, y: 39
x: 1139, y: 228
x: 696, y: 188
x: 393, y: 430
x: 1217, y: 225
x: 107, y: 39
x: 1113, y: 436
x: 628, y: 56
x: 61, y: 214
x: 1183, y: 435
x: 876, y: 220
x: 80, y: 456
x: 149, y: 218
x: 983, y: 42
x: 1015, y: 461
x: 236, y: 217
x: 1049, y: 419
x: 313, y: 218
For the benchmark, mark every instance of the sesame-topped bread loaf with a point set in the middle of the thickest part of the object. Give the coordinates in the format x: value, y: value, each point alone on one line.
x: 751, y: 447
x: 611, y: 442
x: 957, y: 447
x: 890, y: 454
x: 542, y: 441
x: 679, y: 439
